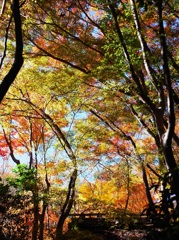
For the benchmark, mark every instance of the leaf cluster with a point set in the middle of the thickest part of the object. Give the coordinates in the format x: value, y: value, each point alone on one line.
x: 25, y: 178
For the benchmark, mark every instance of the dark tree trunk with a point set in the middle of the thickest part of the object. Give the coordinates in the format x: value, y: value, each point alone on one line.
x: 36, y: 217
x: 67, y: 205
x: 167, y: 137
x: 147, y: 188
x: 42, y: 217
x: 44, y: 207
x: 18, y: 61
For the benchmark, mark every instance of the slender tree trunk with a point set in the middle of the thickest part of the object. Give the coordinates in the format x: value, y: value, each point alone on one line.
x: 173, y: 169
x: 128, y: 185
x: 44, y: 207
x: 42, y: 217
x: 147, y: 188
x: 67, y: 205
x: 36, y: 218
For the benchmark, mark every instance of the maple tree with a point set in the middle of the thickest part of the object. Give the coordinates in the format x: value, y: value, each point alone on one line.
x: 144, y: 80
x: 111, y: 66
x: 36, y: 128
x: 138, y: 66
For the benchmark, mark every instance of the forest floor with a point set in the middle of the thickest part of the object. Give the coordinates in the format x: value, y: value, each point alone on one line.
x: 132, y: 234
x: 118, y: 234
x: 124, y: 235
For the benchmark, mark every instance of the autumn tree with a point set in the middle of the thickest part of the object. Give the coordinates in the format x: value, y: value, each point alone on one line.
x: 41, y: 131
x: 122, y: 60
x: 133, y: 62
x: 156, y: 94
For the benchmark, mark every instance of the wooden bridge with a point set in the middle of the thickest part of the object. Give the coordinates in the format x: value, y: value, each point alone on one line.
x: 98, y: 221
x: 90, y: 221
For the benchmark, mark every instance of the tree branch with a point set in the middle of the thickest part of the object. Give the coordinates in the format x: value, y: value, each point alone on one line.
x: 8, y: 141
x: 18, y: 60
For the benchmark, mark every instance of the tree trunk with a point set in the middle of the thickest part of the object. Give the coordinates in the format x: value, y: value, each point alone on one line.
x: 36, y: 218
x: 173, y: 169
x: 44, y: 207
x: 128, y: 185
x: 147, y: 188
x: 67, y: 205
x: 42, y: 217
x: 18, y: 61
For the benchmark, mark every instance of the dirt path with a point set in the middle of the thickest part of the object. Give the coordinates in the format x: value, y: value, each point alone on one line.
x: 125, y: 235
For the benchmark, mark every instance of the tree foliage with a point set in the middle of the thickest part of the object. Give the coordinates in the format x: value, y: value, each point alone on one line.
x: 97, y: 99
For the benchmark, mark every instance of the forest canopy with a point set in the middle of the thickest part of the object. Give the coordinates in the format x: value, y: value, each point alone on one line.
x: 88, y: 113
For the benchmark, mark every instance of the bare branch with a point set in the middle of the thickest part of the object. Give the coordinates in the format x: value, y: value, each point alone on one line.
x: 8, y: 141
